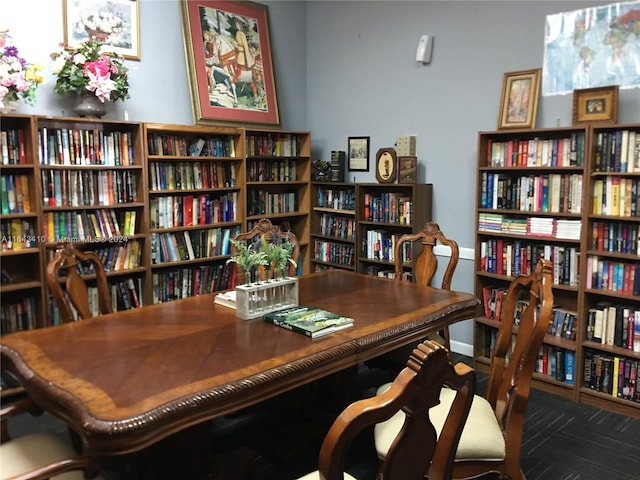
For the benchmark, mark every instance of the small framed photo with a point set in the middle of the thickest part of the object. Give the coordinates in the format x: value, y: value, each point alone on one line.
x: 595, y: 105
x: 116, y: 23
x: 358, y: 150
x: 519, y: 102
x: 407, y: 169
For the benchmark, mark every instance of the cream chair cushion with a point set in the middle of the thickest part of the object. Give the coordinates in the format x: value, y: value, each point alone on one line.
x: 28, y: 452
x: 481, y: 438
x: 316, y: 476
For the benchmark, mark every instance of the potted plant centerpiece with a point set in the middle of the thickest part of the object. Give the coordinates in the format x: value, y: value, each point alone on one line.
x: 92, y: 74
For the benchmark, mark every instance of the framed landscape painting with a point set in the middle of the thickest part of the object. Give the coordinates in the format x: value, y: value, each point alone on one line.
x: 229, y: 62
x: 116, y: 23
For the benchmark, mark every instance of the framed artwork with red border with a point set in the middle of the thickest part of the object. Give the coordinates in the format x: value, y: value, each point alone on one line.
x: 229, y: 62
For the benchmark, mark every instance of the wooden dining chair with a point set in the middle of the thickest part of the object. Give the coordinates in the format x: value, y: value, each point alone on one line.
x: 272, y: 234
x: 426, y: 263
x: 40, y: 455
x: 69, y: 289
x: 492, y: 436
x: 416, y: 448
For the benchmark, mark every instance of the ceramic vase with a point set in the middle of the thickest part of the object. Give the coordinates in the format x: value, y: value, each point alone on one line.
x: 88, y: 105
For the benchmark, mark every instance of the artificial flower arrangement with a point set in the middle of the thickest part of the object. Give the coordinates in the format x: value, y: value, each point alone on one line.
x: 88, y: 68
x: 18, y: 79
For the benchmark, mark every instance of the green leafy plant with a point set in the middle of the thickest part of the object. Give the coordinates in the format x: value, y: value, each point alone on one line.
x: 246, y: 257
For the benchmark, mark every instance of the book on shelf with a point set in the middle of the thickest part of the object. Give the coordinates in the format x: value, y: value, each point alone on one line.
x: 226, y: 299
x: 310, y: 321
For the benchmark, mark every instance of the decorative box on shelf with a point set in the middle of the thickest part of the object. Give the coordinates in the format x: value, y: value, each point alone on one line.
x: 255, y: 299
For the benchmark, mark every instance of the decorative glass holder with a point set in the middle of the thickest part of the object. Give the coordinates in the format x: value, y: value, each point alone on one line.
x: 256, y: 299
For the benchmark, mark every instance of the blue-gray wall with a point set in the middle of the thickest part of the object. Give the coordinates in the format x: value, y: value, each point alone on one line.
x: 348, y: 69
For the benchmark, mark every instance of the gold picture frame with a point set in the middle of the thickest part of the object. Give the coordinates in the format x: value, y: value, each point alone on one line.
x: 116, y: 23
x: 595, y: 105
x: 519, y: 101
x: 229, y: 62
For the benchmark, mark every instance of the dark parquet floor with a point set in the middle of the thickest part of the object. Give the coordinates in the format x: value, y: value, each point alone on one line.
x: 281, y: 440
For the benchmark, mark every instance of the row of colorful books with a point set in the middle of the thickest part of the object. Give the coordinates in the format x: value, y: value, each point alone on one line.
x: 615, y: 325
x: 264, y: 202
x: 77, y: 188
x: 616, y: 237
x: 617, y: 151
x: 16, y: 315
x: 178, y: 145
x: 191, y: 175
x: 18, y: 234
x: 272, y: 171
x: 189, y: 210
x: 515, y: 257
x: 332, y: 252
x: 553, y: 193
x: 173, y: 284
x: 12, y: 147
x: 560, y: 228
x: 387, y: 208
x: 15, y: 194
x: 537, y: 152
x: 273, y: 145
x: 613, y: 275
x: 191, y: 245
x: 85, y: 225
x: 616, y: 196
x: 611, y: 374
x: 338, y: 199
x: 74, y: 146
x: 338, y: 226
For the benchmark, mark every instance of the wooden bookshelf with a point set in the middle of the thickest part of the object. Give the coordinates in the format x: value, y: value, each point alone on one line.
x: 534, y: 198
x: 278, y: 173
x: 195, y: 178
x: 21, y: 294
x: 386, y: 211
x: 123, y: 189
x: 333, y: 226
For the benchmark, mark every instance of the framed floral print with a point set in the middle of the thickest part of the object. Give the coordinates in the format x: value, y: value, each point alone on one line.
x: 595, y: 105
x: 116, y: 23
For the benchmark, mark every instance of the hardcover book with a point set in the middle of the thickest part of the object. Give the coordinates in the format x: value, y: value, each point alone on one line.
x: 310, y: 321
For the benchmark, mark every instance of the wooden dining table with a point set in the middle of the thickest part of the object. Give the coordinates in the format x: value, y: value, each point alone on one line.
x: 126, y: 380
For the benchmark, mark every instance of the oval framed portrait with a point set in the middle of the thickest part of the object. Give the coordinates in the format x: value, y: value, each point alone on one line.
x: 386, y: 171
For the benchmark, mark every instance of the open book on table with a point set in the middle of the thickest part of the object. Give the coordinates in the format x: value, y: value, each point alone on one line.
x: 310, y: 321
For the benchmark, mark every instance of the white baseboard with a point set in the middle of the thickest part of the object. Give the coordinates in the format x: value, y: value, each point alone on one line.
x: 462, y: 348
x: 444, y: 251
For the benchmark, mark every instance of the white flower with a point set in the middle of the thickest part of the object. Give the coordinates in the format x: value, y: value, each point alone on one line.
x: 58, y: 63
x: 79, y: 59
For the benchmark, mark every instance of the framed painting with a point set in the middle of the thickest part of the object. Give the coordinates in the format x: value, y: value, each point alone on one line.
x: 358, y: 150
x: 519, y: 102
x: 116, y: 23
x: 595, y: 105
x: 229, y: 62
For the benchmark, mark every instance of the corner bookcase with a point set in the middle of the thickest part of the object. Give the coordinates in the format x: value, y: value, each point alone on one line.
x: 535, y: 197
